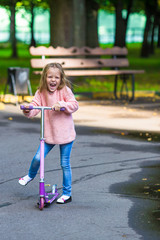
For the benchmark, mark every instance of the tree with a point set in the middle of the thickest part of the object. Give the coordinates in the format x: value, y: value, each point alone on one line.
x: 29, y: 7
x: 13, y: 29
x: 33, y: 6
x: 79, y: 28
x: 121, y: 21
x: 33, y: 41
x: 148, y: 39
x: 121, y: 18
x: 11, y: 6
x: 74, y: 22
x: 92, y: 8
x: 61, y: 23
x: 157, y: 22
x: 158, y: 43
x: 154, y: 23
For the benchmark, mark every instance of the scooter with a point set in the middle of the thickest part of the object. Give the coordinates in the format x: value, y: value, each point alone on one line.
x: 45, y: 198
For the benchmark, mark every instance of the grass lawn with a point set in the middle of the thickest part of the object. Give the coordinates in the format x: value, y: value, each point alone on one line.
x: 150, y: 81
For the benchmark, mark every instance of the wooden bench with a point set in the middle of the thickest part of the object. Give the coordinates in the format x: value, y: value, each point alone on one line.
x: 87, y: 61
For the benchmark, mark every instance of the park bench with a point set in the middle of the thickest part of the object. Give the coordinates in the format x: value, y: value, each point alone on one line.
x: 87, y: 61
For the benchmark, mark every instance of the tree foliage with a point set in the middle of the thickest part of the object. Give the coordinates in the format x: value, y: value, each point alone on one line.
x: 74, y: 22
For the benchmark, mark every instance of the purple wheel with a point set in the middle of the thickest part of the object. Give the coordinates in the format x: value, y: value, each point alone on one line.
x: 41, y: 205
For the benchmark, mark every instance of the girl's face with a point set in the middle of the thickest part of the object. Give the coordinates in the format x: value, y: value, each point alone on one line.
x: 53, y: 79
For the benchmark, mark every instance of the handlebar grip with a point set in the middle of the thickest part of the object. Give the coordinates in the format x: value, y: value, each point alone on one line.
x: 61, y: 109
x: 22, y: 107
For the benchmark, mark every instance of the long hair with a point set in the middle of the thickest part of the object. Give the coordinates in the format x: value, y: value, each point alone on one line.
x: 64, y: 81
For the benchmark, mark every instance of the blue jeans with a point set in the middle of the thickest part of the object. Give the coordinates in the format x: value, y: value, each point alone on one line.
x: 65, y: 152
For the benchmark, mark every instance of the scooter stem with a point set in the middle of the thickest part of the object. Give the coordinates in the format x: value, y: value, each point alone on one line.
x: 42, y: 123
x: 42, y: 147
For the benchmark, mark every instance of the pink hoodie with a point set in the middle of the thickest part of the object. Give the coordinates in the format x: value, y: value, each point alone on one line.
x: 58, y: 126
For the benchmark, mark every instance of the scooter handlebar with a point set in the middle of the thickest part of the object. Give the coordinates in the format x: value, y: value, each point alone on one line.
x: 30, y: 107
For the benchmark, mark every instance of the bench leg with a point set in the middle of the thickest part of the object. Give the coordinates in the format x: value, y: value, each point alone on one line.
x: 115, y: 86
x: 133, y: 88
x: 124, y: 85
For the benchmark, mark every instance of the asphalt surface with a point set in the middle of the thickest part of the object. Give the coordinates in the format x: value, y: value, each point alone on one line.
x: 115, y: 164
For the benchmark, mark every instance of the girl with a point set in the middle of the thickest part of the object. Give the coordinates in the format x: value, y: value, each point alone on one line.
x: 54, y: 91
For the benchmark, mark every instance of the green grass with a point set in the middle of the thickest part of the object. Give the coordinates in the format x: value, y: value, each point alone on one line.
x: 148, y: 81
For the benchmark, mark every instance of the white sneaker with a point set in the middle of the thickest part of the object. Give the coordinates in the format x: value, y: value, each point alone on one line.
x: 64, y: 199
x: 25, y: 180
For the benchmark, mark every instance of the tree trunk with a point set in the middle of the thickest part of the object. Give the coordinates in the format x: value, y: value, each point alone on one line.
x: 61, y: 23
x: 152, y: 36
x: 158, y: 25
x: 121, y: 23
x: 145, y: 44
x: 148, y: 39
x: 91, y: 23
x: 13, y: 31
x: 79, y: 16
x: 33, y: 42
x: 158, y: 43
x: 73, y: 23
x: 120, y: 34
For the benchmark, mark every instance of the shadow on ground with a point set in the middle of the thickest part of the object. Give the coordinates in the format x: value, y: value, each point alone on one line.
x: 143, y: 189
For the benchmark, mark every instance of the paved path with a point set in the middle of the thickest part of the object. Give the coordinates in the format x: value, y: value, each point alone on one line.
x: 110, y: 115
x: 112, y: 178
x: 123, y: 117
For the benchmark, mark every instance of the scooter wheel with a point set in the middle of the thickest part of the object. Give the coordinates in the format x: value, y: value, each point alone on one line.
x: 41, y: 205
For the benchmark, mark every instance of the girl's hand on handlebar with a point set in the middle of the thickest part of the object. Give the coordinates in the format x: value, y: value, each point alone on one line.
x: 56, y: 107
x: 26, y: 110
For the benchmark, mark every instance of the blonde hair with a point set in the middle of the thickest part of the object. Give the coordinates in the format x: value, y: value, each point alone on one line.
x: 64, y: 81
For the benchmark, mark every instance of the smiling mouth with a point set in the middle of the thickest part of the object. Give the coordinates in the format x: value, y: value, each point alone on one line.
x: 52, y: 85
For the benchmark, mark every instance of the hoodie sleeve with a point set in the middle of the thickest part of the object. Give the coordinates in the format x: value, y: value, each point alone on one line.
x: 69, y: 102
x: 35, y: 102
